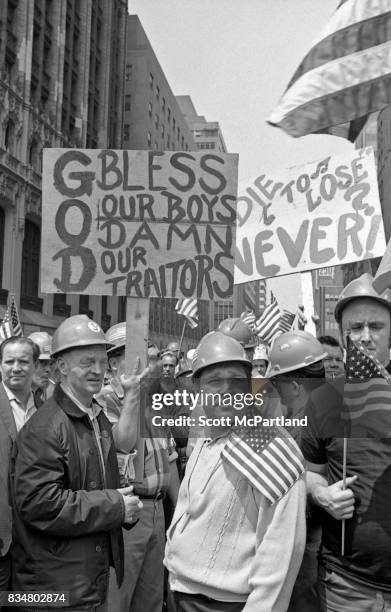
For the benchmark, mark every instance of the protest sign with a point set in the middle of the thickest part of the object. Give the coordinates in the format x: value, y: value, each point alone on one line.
x: 138, y: 223
x: 382, y: 280
x: 318, y: 215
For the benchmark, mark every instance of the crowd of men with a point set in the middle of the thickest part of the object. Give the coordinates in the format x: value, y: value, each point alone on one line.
x: 225, y: 516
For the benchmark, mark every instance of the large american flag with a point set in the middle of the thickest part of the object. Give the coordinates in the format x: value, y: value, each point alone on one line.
x: 188, y: 308
x: 11, y: 323
x: 367, y: 393
x: 268, y: 457
x: 344, y: 77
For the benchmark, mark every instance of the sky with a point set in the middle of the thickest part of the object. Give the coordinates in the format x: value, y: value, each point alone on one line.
x: 235, y: 58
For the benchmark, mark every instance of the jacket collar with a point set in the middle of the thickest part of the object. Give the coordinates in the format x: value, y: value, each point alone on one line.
x: 6, y: 413
x: 68, y: 406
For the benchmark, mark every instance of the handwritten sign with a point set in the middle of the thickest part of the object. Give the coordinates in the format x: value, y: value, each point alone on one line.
x: 138, y: 223
x: 318, y: 215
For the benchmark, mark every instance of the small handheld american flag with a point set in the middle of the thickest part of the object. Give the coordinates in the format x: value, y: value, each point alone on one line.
x: 188, y: 308
x: 10, y: 325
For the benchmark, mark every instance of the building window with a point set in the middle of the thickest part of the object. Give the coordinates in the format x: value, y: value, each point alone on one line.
x: 183, y: 142
x: 60, y: 306
x: 164, y: 105
x: 84, y: 306
x: 9, y: 137
x: 126, y: 131
x: 157, y: 92
x: 151, y: 80
x: 30, y: 260
x: 156, y: 121
x: 35, y: 157
x: 121, y: 309
x: 326, y: 272
x: 128, y: 72
x: 127, y: 102
x: 156, y: 146
x: 150, y: 109
x: 162, y: 130
x: 168, y: 115
x: 178, y: 133
x: 149, y: 139
x: 173, y: 125
x: 168, y: 141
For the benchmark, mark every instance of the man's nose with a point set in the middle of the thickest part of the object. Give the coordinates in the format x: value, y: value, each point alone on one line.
x: 16, y: 365
x: 365, y: 335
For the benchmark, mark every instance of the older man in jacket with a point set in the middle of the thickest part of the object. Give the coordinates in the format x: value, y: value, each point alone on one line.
x: 68, y: 509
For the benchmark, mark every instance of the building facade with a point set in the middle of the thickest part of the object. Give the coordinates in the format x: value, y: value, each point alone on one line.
x: 207, y: 134
x: 152, y: 117
x: 61, y: 85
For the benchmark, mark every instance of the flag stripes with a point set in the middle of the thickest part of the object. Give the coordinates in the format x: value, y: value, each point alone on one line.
x: 367, y: 388
x: 188, y: 307
x: 268, y: 323
x: 345, y: 76
x: 272, y: 468
x: 10, y: 325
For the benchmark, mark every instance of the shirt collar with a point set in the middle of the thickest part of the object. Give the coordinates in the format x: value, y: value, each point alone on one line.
x: 12, y: 397
x: 93, y: 410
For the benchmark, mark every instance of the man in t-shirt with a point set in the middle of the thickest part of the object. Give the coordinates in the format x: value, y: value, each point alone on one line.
x: 359, y: 580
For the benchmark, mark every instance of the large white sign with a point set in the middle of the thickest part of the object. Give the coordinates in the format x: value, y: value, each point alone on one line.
x: 322, y: 214
x: 138, y: 223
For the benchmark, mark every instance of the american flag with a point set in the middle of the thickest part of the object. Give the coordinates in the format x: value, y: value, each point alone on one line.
x: 367, y: 393
x: 249, y: 318
x: 268, y: 457
x: 11, y: 324
x: 268, y: 323
x: 344, y: 77
x: 188, y: 308
x: 286, y: 320
x: 273, y: 321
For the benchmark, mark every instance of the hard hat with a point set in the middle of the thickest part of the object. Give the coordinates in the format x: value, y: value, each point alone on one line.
x: 292, y: 351
x: 190, y: 354
x: 215, y: 348
x: 76, y: 332
x: 116, y: 336
x: 361, y: 287
x: 236, y: 328
x: 260, y: 353
x: 184, y: 367
x: 44, y: 341
x: 172, y: 347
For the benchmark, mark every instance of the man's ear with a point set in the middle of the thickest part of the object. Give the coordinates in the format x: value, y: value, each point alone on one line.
x: 113, y: 364
x: 296, y: 387
x: 62, y: 365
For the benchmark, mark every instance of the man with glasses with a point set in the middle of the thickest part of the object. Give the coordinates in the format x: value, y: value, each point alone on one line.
x: 43, y: 384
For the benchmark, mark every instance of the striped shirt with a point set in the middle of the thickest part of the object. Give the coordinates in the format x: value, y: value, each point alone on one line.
x: 158, y: 452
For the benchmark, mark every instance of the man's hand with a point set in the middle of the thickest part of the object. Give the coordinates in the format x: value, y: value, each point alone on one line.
x: 133, y: 505
x: 131, y: 382
x: 336, y: 500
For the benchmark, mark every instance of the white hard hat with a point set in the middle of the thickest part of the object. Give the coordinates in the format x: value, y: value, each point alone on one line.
x: 190, y: 354
x: 260, y: 353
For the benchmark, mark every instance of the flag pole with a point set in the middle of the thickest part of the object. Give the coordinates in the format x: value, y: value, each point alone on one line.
x: 181, y: 342
x: 344, y: 458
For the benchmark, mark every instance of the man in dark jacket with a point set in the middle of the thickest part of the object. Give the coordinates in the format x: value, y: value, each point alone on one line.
x: 68, y: 508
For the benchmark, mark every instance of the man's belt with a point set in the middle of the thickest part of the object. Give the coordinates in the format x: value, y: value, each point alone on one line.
x: 159, y: 495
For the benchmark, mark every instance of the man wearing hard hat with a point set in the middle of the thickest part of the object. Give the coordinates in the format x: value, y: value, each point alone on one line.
x: 260, y: 361
x: 43, y: 384
x: 296, y: 368
x: 237, y: 536
x: 359, y: 579
x: 68, y: 509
